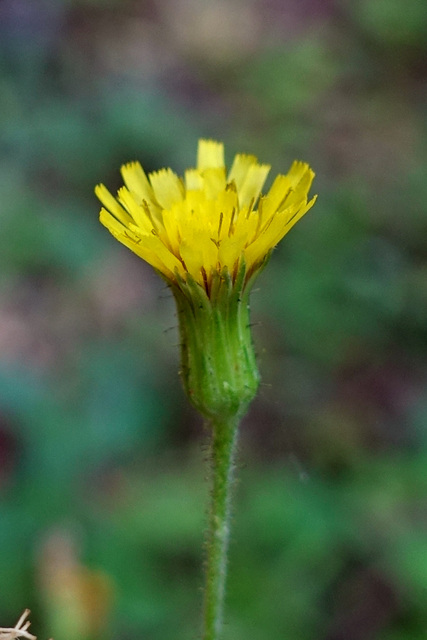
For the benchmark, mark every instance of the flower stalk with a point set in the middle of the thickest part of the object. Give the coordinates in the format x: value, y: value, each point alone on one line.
x: 223, y: 447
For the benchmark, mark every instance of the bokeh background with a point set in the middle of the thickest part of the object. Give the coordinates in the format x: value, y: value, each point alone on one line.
x: 103, y: 486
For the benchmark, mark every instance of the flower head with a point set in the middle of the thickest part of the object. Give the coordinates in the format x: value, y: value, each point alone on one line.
x: 209, y: 221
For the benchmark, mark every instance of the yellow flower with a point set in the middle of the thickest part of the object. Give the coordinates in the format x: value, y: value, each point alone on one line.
x: 211, y: 219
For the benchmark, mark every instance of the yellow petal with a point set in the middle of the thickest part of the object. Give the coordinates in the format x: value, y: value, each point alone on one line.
x: 167, y: 187
x: 193, y: 180
x: 301, y: 189
x: 146, y: 246
x: 214, y: 182
x: 172, y: 226
x: 137, y: 212
x: 231, y: 249
x: 253, y: 183
x: 199, y: 255
x: 226, y: 204
x: 239, y: 169
x: 111, y: 204
x: 162, y: 254
x: 277, y: 194
x: 210, y: 155
x: 111, y: 222
x: 281, y: 223
x: 296, y: 172
x: 137, y: 182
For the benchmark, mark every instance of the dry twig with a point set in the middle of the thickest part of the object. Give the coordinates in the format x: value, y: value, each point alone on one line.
x: 20, y: 630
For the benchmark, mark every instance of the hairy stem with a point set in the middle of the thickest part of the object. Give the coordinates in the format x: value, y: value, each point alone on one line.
x: 224, y: 436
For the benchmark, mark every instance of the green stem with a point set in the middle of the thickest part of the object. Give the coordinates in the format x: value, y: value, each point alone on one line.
x: 224, y: 436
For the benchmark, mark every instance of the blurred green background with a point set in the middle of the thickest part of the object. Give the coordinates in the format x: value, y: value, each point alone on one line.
x: 103, y: 488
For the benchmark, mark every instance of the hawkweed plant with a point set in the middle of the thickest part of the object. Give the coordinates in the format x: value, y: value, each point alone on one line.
x: 209, y: 235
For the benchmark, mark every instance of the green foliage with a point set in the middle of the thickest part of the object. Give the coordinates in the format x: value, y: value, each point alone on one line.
x: 393, y: 21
